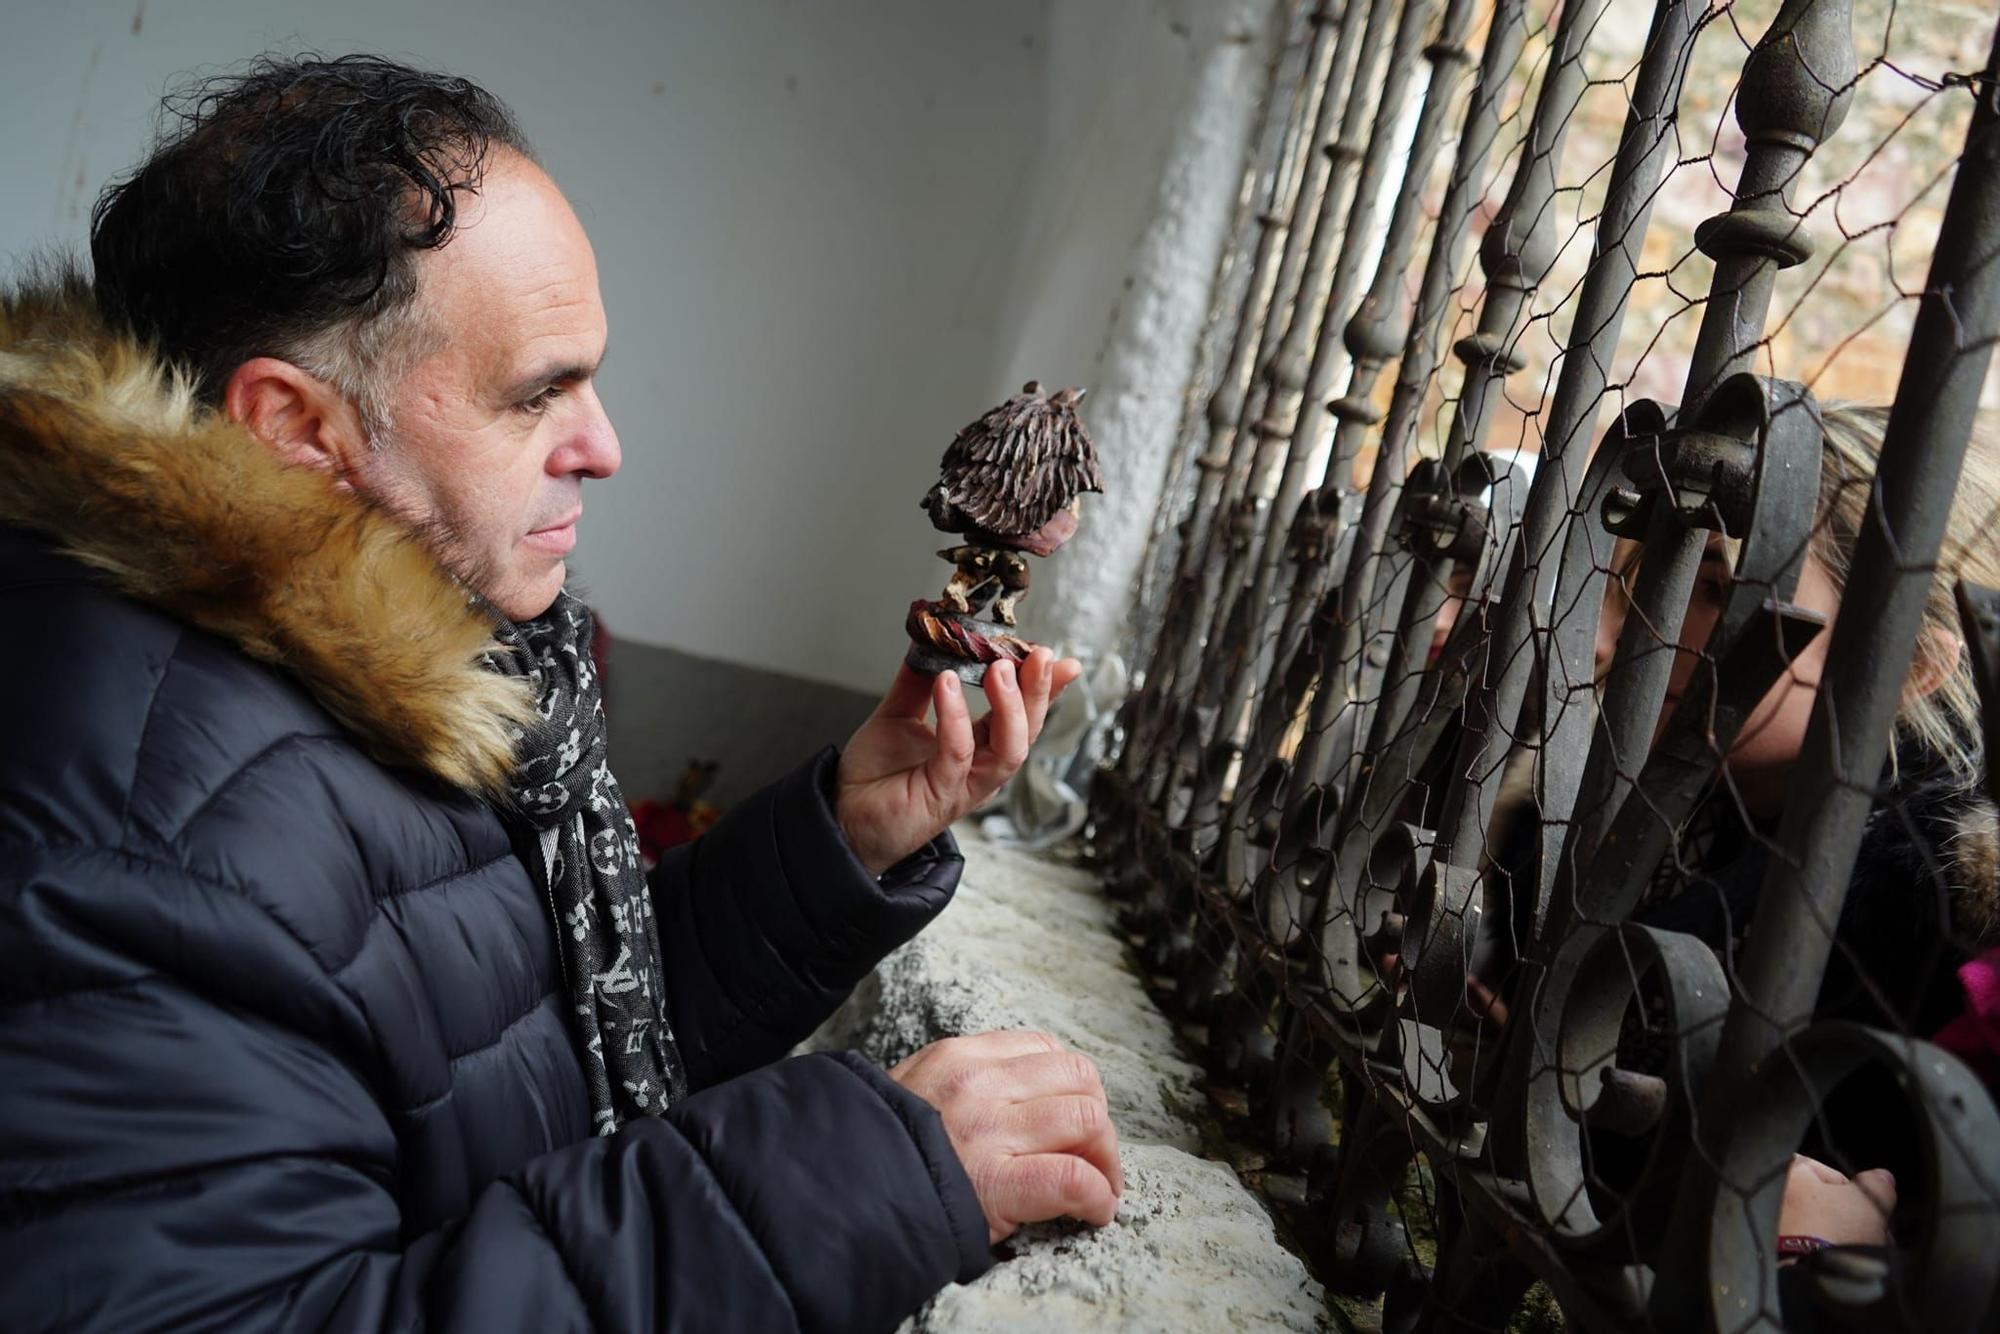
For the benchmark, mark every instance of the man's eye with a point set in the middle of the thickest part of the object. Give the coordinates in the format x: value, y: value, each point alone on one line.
x: 539, y: 404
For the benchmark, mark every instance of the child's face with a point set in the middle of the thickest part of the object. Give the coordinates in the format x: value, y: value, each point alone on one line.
x: 1458, y: 587
x: 1760, y: 762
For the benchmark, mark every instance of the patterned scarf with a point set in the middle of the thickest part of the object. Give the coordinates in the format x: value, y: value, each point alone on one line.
x: 568, y: 810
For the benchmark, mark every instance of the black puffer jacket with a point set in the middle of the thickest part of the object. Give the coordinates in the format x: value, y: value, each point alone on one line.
x: 282, y: 1041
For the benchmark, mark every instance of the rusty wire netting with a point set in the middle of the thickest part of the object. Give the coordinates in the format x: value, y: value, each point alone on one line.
x: 1556, y: 790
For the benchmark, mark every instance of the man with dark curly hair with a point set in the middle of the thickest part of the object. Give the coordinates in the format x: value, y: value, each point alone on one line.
x: 336, y: 994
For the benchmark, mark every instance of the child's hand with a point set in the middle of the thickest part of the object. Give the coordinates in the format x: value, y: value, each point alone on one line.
x: 1822, y: 1202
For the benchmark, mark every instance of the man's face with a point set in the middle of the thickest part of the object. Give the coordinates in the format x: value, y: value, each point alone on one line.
x: 492, y: 435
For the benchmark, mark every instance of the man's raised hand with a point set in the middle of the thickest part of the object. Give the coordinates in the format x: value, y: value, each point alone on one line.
x: 1029, y: 1122
x: 902, y: 781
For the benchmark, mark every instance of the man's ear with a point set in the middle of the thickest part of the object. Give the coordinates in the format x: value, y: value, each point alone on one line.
x: 297, y: 415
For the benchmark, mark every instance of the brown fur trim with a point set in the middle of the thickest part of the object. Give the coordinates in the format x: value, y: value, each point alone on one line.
x: 106, y: 452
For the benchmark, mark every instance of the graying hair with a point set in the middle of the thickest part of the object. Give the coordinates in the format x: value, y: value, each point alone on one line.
x: 365, y: 357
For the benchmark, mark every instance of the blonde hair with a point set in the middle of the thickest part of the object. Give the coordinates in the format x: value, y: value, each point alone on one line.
x: 1943, y: 718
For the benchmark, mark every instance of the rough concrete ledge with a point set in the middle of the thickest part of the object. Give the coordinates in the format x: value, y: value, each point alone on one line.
x: 1030, y: 943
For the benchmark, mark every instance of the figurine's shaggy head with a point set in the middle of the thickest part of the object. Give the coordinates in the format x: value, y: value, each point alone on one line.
x: 1009, y: 475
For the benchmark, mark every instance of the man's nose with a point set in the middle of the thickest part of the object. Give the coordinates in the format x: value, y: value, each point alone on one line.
x: 593, y: 449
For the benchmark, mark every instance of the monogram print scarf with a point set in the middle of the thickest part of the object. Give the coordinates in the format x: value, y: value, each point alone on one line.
x: 568, y: 812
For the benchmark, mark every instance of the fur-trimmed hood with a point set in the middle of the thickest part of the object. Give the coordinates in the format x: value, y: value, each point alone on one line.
x: 105, y: 451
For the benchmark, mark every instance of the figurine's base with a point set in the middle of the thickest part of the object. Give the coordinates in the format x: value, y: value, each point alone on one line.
x: 930, y: 662
x: 943, y: 640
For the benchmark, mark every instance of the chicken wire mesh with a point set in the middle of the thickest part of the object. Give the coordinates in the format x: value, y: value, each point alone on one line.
x: 1556, y: 791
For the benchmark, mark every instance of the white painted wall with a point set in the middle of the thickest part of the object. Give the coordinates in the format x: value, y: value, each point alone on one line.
x: 1118, y: 260
x: 830, y: 234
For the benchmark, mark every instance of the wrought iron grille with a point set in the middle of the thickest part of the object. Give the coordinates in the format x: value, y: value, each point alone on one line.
x: 1558, y: 829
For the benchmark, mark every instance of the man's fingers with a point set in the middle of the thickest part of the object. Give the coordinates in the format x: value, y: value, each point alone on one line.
x: 1006, y: 720
x: 965, y: 1064
x: 1037, y: 676
x: 1002, y: 1044
x: 1029, y: 1121
x: 1063, y: 676
x: 1076, y: 1123
x: 977, y: 1057
x: 909, y: 695
x: 952, y: 761
x: 1065, y: 1123
x: 1045, y: 1074
x: 1031, y: 1188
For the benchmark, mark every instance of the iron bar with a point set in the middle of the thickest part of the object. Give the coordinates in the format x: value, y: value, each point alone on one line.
x: 1376, y: 331
x: 1234, y: 271
x: 1516, y: 254
x: 1795, y: 92
x: 1225, y: 405
x: 1359, y: 57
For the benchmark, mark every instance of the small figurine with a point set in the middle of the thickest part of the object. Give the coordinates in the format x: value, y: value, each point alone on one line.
x: 1011, y: 486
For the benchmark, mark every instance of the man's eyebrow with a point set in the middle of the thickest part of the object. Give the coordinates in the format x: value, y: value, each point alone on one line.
x: 561, y: 373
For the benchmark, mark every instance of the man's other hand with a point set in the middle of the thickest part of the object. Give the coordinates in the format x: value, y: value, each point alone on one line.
x: 902, y: 781
x: 1030, y: 1124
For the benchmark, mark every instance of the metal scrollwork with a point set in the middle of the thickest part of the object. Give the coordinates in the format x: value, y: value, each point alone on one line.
x: 1947, y: 1278
x: 1392, y: 832
x: 1578, y: 1089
